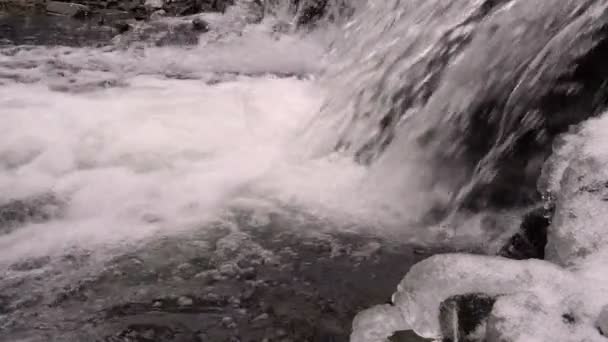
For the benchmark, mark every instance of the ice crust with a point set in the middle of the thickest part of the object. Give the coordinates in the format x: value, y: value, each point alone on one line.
x: 557, y: 299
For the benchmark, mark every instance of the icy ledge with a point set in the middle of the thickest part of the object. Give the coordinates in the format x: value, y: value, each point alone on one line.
x: 561, y: 298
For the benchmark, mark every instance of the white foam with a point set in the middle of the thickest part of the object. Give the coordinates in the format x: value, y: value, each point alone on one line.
x: 160, y: 152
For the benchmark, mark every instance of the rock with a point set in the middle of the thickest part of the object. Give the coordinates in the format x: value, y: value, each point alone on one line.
x: 23, y: 6
x: 602, y: 321
x: 248, y: 273
x: 158, y: 14
x: 185, y: 301
x: 310, y: 12
x: 228, y: 322
x: 234, y: 301
x: 261, y: 317
x: 188, y: 7
x: 67, y: 9
x: 184, y: 267
x: 229, y: 269
x: 34, y: 209
x: 175, y: 34
x: 281, y: 27
x: 200, y: 25
x: 122, y: 27
x: 31, y: 264
x: 378, y: 323
x: 531, y: 240
x: 463, y: 318
x: 111, y: 15
x: 139, y: 13
x: 152, y: 5
x: 407, y: 336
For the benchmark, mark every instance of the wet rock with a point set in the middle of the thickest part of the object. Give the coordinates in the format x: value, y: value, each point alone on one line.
x: 261, y: 317
x: 108, y: 16
x: 153, y: 5
x: 188, y: 7
x: 184, y: 301
x: 463, y: 317
x: 281, y: 27
x: 530, y: 241
x: 407, y: 336
x: 5, y: 302
x: 180, y: 34
x: 248, y: 273
x: 30, y: 264
x: 210, y: 276
x: 200, y: 25
x: 122, y: 27
x: 158, y: 14
x: 23, y: 6
x: 311, y: 11
x: 229, y: 270
x: 147, y: 333
x: 139, y: 13
x: 34, y: 209
x: 228, y: 322
x: 67, y: 9
x: 184, y: 268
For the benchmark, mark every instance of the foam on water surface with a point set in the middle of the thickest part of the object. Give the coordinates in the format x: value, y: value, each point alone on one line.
x: 156, y: 153
x: 141, y: 141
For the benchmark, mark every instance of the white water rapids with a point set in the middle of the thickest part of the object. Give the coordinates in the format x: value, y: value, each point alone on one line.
x: 132, y: 151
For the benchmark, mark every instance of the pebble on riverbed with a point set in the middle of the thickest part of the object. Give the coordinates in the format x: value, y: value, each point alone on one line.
x: 185, y: 301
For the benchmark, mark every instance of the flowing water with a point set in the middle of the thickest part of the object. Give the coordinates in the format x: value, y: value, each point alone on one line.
x: 143, y: 176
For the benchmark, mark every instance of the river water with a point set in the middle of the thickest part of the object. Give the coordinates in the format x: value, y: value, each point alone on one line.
x: 186, y: 162
x: 263, y: 182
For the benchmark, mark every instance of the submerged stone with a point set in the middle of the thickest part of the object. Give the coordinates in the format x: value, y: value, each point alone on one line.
x: 67, y: 8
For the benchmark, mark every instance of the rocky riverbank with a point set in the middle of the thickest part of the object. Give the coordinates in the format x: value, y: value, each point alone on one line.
x: 114, y: 9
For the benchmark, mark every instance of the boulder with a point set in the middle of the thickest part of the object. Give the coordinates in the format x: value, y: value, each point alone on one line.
x: 463, y: 317
x: 67, y: 9
x: 530, y: 241
x: 310, y: 11
x: 188, y: 7
x: 111, y: 16
x: 34, y: 209
x: 153, y: 5
x: 200, y: 25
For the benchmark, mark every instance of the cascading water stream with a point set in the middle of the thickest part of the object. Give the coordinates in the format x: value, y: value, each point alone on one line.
x: 397, y: 121
x: 457, y: 103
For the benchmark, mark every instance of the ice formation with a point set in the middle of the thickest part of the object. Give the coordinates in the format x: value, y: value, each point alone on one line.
x: 556, y: 299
